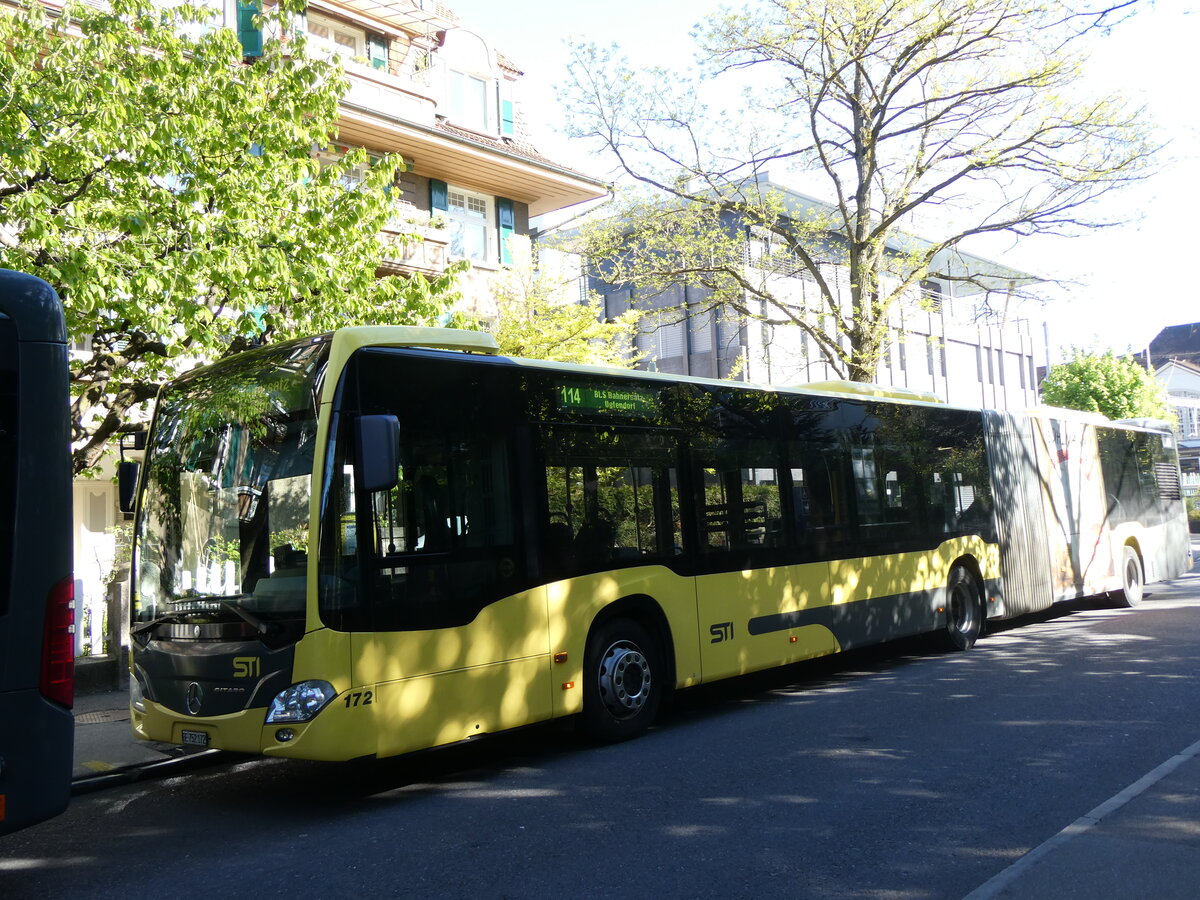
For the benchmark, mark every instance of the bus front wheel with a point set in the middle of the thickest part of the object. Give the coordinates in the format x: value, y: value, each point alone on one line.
x: 623, y: 681
x: 1133, y: 581
x: 964, y: 610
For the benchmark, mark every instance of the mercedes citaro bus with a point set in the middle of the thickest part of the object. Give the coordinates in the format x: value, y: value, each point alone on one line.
x: 386, y: 539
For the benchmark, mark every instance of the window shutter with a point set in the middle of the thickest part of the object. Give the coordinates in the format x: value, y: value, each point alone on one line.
x: 439, y: 195
x: 250, y: 36
x: 506, y: 220
x: 508, y: 125
x: 259, y: 314
x: 377, y: 51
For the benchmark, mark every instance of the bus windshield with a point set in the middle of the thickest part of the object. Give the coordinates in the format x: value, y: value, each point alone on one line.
x: 223, y: 529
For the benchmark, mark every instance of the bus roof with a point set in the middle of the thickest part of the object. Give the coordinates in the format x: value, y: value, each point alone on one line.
x: 348, y: 340
x: 1072, y: 415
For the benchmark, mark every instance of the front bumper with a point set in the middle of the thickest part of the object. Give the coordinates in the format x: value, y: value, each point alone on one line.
x: 341, y: 731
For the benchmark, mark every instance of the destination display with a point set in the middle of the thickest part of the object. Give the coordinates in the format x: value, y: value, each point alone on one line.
x: 624, y: 401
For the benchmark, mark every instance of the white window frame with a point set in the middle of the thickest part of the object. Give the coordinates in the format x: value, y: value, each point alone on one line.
x: 459, y: 106
x: 471, y: 210
x: 225, y: 15
x: 468, y: 68
x: 356, y: 175
x: 329, y: 46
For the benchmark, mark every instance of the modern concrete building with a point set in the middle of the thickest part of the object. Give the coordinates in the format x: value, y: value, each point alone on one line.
x: 958, y: 336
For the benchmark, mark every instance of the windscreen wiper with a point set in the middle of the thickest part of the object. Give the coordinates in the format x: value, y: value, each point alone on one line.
x: 263, y: 627
x: 226, y: 602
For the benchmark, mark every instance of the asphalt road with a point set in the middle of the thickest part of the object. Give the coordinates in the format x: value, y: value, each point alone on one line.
x: 898, y: 772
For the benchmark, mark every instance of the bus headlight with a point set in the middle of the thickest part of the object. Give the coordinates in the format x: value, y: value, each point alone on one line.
x: 137, y: 698
x: 301, y: 702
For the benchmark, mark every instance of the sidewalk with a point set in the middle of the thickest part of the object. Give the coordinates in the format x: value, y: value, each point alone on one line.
x: 103, y: 740
x: 1143, y: 842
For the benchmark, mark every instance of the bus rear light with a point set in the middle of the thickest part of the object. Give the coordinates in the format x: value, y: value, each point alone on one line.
x: 58, y: 645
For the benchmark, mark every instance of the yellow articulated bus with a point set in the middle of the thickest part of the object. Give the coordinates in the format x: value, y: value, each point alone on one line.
x: 387, y: 539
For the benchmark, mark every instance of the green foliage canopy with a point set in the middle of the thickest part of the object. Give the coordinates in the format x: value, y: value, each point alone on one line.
x: 169, y: 192
x: 538, y: 318
x: 954, y: 119
x: 1116, y: 386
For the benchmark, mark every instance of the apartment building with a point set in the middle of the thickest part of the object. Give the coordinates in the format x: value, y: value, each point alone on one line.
x: 426, y: 86
x: 423, y: 85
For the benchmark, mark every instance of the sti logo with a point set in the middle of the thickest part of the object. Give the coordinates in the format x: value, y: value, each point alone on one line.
x: 247, y: 667
x: 722, y: 631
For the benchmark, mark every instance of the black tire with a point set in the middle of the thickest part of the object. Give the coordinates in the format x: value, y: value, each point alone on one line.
x: 623, y: 681
x: 964, y: 610
x: 1133, y: 580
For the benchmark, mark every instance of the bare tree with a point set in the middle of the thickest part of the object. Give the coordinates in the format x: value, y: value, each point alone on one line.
x: 963, y: 119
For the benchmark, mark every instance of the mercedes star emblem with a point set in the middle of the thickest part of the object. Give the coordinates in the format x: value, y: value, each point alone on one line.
x: 195, y: 696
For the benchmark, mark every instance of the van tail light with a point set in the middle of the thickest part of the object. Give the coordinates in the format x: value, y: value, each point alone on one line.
x: 58, y: 645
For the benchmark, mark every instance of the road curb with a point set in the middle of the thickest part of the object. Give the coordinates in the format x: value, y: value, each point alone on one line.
x: 166, y: 768
x: 1006, y: 878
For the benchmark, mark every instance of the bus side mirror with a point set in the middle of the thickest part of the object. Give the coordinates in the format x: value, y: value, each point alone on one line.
x: 377, y: 445
x: 128, y: 470
x: 127, y: 481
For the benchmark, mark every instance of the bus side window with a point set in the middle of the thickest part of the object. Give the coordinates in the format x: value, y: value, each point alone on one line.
x: 1119, y: 468
x: 867, y: 490
x: 819, y: 508
x: 612, y: 499
x: 739, y: 498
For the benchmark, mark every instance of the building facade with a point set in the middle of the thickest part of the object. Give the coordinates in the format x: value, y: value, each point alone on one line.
x: 1181, y: 379
x: 1173, y: 355
x: 955, y: 336
x: 427, y: 87
x: 422, y: 85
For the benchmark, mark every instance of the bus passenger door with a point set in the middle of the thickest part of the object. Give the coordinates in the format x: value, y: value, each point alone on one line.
x: 451, y: 635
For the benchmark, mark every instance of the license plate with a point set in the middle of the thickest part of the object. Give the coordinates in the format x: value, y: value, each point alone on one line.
x: 195, y: 738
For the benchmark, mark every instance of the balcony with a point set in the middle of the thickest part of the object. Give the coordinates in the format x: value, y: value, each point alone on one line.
x: 404, y: 255
x: 409, y: 99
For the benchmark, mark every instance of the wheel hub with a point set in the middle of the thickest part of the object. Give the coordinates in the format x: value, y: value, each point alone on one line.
x: 624, y: 679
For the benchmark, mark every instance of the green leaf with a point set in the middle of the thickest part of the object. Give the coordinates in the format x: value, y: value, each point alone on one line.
x: 141, y: 202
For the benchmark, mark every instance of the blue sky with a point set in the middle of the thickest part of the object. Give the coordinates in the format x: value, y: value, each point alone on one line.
x: 1133, y: 279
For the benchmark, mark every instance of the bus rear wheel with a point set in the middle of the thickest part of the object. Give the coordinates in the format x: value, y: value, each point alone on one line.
x: 1133, y: 579
x: 964, y: 610
x: 623, y: 681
